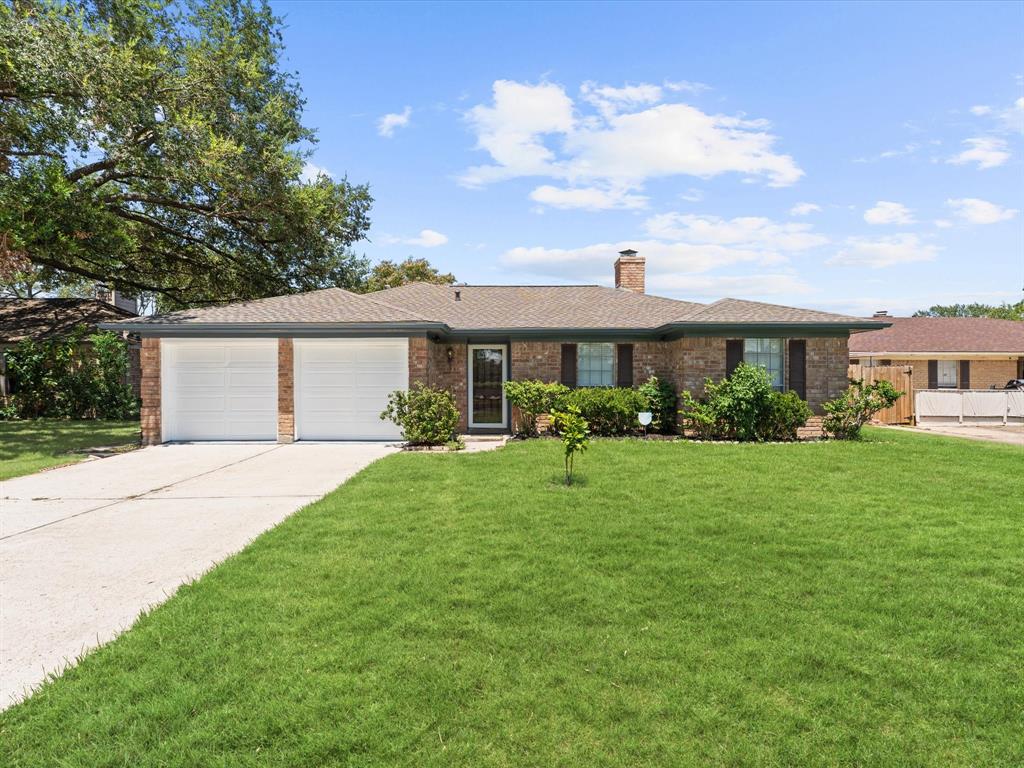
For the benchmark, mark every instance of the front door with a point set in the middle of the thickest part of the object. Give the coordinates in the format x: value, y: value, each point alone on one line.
x: 487, y: 370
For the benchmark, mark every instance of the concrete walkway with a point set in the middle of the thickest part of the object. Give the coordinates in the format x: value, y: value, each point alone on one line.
x: 85, y: 548
x: 1012, y: 434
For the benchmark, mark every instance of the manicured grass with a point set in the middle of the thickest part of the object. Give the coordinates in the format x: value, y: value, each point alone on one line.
x: 821, y: 604
x: 28, y: 446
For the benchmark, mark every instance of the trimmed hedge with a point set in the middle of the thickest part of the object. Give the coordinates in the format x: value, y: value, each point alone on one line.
x: 610, y: 411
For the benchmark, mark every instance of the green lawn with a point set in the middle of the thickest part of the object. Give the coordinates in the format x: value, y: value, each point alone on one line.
x: 685, y: 604
x: 28, y: 446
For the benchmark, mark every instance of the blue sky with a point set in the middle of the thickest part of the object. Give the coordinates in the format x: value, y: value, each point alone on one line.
x: 850, y: 157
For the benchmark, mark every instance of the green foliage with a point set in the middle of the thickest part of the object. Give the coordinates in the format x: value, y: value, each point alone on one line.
x: 744, y: 407
x: 388, y: 274
x: 78, y: 376
x: 158, y: 146
x: 533, y: 397
x: 610, y: 411
x: 661, y: 402
x: 848, y: 413
x: 575, y: 434
x: 426, y: 416
x: 1004, y: 311
x: 785, y: 415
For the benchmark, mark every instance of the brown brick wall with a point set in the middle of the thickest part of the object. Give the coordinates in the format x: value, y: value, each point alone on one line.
x: 149, y: 388
x: 827, y: 368
x: 285, y: 391
x: 629, y: 273
x: 451, y: 375
x: 690, y: 360
x: 536, y: 360
x: 418, y: 358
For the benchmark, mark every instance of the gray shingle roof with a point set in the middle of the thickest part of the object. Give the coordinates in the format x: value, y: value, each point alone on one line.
x: 742, y: 311
x: 491, y: 308
x: 329, y: 305
x: 537, y: 306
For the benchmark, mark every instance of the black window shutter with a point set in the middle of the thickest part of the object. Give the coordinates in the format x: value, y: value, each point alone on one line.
x: 933, y: 374
x: 569, y: 365
x: 965, y: 374
x: 624, y: 377
x: 733, y: 355
x: 798, y: 367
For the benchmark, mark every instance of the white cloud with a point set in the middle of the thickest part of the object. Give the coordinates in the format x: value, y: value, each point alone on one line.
x: 1012, y: 118
x: 688, y: 86
x: 593, y: 262
x: 986, y: 151
x: 389, y: 123
x: 886, y: 212
x: 908, y: 149
x: 804, y: 209
x: 692, y: 195
x: 752, y: 232
x: 615, y: 139
x: 977, y: 211
x: 883, y: 252
x: 981, y: 109
x: 427, y: 238
x: 310, y: 172
x: 587, y: 198
x: 610, y: 100
x: 943, y: 223
x: 717, y: 286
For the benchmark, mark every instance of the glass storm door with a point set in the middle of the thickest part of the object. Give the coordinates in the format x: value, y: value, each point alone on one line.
x: 486, y: 376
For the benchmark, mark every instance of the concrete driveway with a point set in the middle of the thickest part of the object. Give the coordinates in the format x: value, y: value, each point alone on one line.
x: 84, y: 549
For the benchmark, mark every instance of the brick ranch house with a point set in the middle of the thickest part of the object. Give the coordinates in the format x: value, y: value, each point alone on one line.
x: 319, y: 365
x: 946, y: 352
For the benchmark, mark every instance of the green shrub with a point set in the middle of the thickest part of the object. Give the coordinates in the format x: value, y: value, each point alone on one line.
x: 426, y: 416
x: 661, y: 402
x: 575, y: 434
x: 786, y: 414
x: 78, y: 376
x: 610, y: 411
x: 744, y: 407
x: 845, y: 415
x: 532, y: 398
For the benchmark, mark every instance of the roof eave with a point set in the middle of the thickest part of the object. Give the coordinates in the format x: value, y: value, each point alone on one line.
x: 274, y: 329
x: 787, y: 328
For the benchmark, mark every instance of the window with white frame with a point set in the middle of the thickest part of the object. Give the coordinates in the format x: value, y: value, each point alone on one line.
x: 595, y: 365
x: 766, y: 353
x: 947, y: 374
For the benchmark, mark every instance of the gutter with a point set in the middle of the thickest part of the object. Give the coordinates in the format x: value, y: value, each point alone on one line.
x: 223, y: 330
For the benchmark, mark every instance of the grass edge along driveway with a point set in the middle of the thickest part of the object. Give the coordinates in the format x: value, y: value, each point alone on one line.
x: 34, y: 444
x: 813, y: 604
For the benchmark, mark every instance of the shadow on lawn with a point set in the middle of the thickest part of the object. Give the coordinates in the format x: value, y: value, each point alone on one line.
x: 54, y: 438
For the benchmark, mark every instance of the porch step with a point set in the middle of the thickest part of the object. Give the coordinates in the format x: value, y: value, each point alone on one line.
x: 811, y: 430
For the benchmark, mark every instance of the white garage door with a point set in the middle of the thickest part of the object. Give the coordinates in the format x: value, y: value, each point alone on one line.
x: 219, y: 389
x: 342, y: 385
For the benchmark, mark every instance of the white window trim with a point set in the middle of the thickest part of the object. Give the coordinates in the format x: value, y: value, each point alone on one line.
x: 613, y: 368
x: 938, y: 374
x: 504, y: 378
x: 783, y: 358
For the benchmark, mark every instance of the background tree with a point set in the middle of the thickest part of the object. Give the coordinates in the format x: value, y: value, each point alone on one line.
x: 1004, y: 311
x: 388, y: 274
x: 158, y: 147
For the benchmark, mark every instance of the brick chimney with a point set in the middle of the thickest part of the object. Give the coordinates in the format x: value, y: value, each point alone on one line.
x: 629, y: 271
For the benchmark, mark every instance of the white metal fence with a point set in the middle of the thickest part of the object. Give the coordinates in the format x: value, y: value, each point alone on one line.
x: 969, y: 406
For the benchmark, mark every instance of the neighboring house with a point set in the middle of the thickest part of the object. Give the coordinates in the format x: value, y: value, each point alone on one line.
x: 50, y: 318
x: 946, y: 352
x: 319, y: 366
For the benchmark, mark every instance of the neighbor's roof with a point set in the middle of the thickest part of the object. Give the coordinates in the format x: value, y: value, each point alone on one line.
x: 472, y: 308
x: 941, y: 334
x: 46, y: 318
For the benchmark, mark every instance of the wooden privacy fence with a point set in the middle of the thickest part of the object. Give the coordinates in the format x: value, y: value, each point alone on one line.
x: 901, y: 377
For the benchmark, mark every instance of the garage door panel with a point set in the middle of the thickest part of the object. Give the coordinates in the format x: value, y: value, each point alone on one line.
x: 342, y: 385
x: 219, y: 389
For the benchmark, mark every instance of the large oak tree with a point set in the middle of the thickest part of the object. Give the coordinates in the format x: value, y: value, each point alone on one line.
x: 159, y: 147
